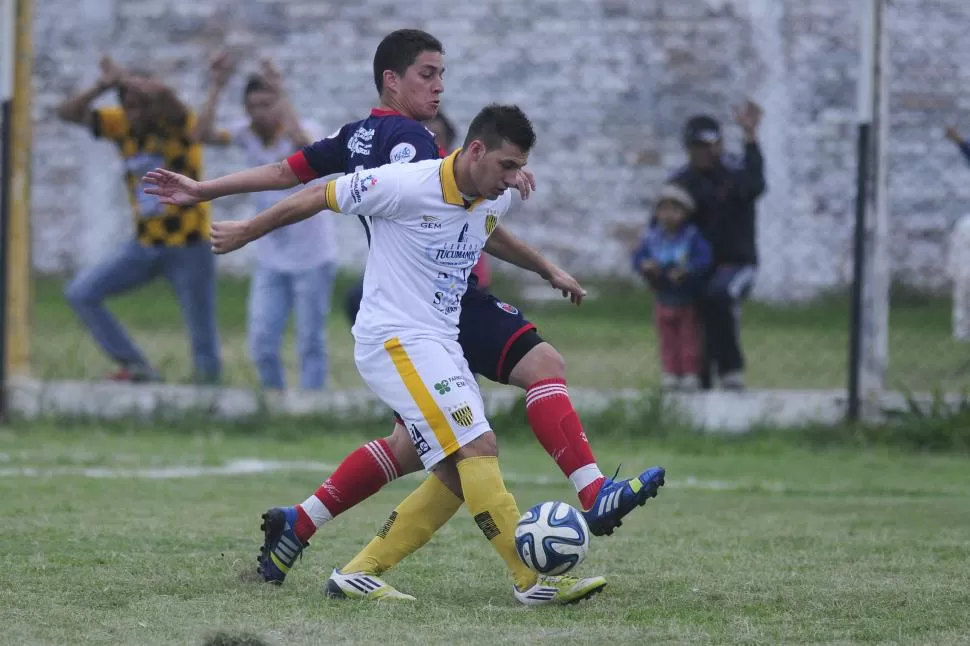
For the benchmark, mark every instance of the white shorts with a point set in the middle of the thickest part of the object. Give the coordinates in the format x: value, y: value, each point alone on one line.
x: 428, y: 383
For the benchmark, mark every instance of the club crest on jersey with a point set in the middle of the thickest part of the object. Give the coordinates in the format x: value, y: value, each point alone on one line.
x: 491, y: 221
x: 462, y: 414
x: 360, y: 141
x: 505, y: 307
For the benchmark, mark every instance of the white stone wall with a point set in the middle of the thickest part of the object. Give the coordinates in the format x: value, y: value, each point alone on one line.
x: 608, y: 84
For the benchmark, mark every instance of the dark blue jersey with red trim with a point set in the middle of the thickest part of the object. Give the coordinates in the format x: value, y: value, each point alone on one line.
x: 385, y: 137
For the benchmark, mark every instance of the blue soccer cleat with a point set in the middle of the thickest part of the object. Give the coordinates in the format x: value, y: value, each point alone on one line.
x: 616, y: 499
x: 280, y: 547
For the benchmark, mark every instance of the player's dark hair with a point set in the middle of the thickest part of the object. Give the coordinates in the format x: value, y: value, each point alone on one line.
x: 398, y: 51
x: 255, y: 83
x: 497, y: 123
x: 450, y: 133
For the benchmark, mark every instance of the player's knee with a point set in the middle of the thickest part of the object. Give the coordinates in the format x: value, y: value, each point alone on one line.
x: 403, y: 449
x: 485, y: 445
x: 78, y: 294
x: 542, y: 362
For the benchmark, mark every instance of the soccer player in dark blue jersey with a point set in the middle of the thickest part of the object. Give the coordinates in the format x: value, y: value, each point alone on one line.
x: 497, y: 340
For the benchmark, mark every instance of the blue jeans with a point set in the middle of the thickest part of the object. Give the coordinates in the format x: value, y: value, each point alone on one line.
x: 189, y: 270
x: 272, y: 295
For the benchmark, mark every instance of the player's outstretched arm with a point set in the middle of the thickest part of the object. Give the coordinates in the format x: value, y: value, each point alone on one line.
x: 173, y: 188
x: 505, y: 246
x: 235, y: 234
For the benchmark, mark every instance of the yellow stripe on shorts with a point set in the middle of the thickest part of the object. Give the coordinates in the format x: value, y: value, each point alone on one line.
x: 433, y: 415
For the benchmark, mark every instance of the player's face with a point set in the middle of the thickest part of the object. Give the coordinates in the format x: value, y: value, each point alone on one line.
x: 704, y: 156
x: 495, y: 171
x: 263, y: 110
x: 671, y: 215
x: 419, y: 90
x: 138, y: 109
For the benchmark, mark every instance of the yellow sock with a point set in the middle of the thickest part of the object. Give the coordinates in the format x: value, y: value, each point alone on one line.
x: 495, y: 511
x: 411, y: 525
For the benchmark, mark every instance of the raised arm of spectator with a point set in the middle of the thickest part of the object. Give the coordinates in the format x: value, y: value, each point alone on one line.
x: 291, y: 120
x: 751, y: 182
x: 77, y: 109
x: 962, y: 144
x: 220, y: 69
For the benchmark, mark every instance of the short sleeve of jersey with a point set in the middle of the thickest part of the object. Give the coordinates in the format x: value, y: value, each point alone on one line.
x: 411, y: 143
x: 319, y: 159
x: 374, y: 192
x: 109, y: 123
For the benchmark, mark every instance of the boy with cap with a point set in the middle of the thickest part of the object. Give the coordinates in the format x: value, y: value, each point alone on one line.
x: 674, y: 259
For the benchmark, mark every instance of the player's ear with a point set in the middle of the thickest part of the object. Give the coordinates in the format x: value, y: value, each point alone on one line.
x: 477, y: 150
x: 391, y: 80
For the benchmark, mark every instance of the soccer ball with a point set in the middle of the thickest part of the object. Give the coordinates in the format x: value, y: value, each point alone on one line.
x: 552, y: 538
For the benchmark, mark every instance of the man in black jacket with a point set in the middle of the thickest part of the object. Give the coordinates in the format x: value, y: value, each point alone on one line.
x: 725, y: 189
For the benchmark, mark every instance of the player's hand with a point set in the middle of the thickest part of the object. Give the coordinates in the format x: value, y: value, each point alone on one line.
x: 748, y: 116
x: 525, y: 182
x: 953, y: 135
x: 230, y: 235
x: 111, y: 73
x: 568, y: 285
x: 677, y: 275
x: 221, y: 66
x: 649, y: 267
x: 172, y: 188
x: 271, y: 74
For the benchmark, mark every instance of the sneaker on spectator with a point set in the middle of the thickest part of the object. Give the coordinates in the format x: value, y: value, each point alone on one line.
x: 689, y: 383
x: 733, y: 381
x: 669, y: 381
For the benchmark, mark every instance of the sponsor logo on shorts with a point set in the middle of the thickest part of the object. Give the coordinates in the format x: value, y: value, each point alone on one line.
x: 462, y: 414
x: 420, y: 445
x: 505, y: 307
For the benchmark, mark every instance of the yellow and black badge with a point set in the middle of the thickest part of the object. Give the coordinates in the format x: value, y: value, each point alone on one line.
x: 462, y: 414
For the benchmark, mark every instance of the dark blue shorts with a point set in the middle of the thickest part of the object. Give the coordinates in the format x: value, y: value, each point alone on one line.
x: 493, y: 335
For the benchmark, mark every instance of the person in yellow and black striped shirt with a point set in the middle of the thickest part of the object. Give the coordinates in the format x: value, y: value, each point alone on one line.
x: 151, y: 127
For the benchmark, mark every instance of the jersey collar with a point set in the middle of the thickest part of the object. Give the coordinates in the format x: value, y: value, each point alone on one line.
x: 449, y: 185
x: 383, y: 112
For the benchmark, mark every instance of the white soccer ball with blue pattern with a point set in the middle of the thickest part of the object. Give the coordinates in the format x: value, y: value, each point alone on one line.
x: 552, y: 538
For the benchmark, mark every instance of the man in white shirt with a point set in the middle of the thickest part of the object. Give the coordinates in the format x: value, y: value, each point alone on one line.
x: 295, y: 265
x: 429, y: 223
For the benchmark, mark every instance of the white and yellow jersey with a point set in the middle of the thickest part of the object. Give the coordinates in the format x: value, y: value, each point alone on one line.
x: 425, y: 238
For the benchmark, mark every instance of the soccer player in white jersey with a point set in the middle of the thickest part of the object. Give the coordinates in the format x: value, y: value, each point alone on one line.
x: 429, y: 223
x: 499, y: 343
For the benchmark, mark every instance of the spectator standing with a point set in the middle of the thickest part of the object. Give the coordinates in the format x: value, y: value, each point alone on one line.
x: 674, y: 258
x: 151, y: 128
x: 725, y: 189
x: 295, y: 265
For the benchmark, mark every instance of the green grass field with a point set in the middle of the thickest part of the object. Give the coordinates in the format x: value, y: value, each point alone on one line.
x: 752, y: 542
x: 608, y: 343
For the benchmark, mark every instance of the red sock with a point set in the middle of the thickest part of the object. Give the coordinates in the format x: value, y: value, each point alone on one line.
x: 557, y: 427
x: 359, y: 476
